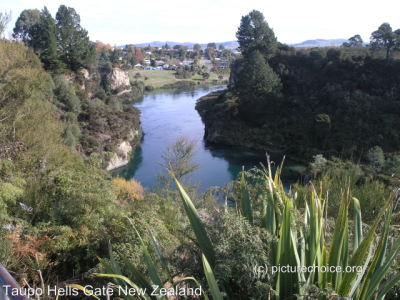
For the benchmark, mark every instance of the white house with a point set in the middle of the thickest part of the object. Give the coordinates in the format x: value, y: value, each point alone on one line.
x: 187, y: 63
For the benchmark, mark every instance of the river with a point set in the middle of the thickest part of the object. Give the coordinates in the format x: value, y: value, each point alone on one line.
x: 167, y: 115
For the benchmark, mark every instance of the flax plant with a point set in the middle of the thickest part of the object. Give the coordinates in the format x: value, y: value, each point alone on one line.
x: 364, y: 271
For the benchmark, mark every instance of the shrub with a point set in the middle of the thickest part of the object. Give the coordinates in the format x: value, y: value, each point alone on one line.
x: 91, y: 143
x: 149, y: 88
x: 239, y: 249
x: 375, y: 157
x: 183, y: 74
x: 128, y: 190
x: 206, y: 75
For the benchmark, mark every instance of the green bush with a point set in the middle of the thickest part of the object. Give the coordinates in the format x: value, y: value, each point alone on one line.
x: 240, y: 248
x: 183, y: 74
x: 149, y: 88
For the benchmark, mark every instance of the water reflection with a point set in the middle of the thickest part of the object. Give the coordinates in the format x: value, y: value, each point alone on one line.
x: 170, y: 114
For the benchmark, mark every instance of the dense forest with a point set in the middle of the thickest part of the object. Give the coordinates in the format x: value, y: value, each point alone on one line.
x: 64, y: 222
x: 303, y: 102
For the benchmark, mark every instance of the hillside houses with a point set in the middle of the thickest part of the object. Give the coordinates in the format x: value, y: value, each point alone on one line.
x: 181, y: 57
x: 162, y: 65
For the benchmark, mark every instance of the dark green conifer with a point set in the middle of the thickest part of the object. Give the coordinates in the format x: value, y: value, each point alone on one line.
x: 255, y: 34
x: 46, y: 37
x: 73, y: 40
x: 257, y: 85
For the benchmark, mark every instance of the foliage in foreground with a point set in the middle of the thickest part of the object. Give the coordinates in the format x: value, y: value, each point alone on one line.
x: 301, y: 248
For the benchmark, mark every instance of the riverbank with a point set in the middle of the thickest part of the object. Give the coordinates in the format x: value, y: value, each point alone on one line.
x: 166, y: 78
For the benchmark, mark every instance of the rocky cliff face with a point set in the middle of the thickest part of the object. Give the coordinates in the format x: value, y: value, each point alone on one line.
x: 116, y: 77
x: 124, y: 150
x: 121, y: 157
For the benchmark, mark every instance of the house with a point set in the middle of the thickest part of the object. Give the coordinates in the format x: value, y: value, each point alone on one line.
x: 222, y: 64
x: 153, y: 68
x: 187, y: 63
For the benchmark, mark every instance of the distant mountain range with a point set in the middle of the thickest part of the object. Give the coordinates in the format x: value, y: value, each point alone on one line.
x: 229, y: 45
x: 319, y: 43
x: 234, y: 44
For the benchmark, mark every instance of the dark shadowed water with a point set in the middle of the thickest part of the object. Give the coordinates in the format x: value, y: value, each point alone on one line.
x: 166, y: 116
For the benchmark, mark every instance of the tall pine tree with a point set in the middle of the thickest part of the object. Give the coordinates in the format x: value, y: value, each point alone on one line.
x: 76, y: 49
x: 44, y: 37
x: 255, y: 34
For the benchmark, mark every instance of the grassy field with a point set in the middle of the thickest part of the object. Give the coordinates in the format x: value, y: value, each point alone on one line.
x: 163, y: 77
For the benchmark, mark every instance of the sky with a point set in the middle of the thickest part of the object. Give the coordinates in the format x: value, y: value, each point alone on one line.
x: 293, y: 21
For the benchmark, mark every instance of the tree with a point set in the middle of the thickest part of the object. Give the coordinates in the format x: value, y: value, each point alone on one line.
x: 256, y: 84
x: 196, y: 47
x: 27, y: 19
x: 206, y: 75
x: 4, y: 20
x: 114, y: 57
x: 212, y: 45
x: 375, y: 156
x: 355, y: 41
x: 133, y: 59
x: 44, y: 40
x: 323, y: 125
x: 178, y: 157
x: 255, y: 34
x: 182, y: 52
x: 73, y: 40
x: 385, y: 37
x: 221, y: 47
x: 139, y: 56
x: 257, y: 77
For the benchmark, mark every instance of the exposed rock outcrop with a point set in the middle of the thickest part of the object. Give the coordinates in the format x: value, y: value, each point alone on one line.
x: 124, y: 150
x: 121, y: 157
x: 116, y: 77
x: 85, y: 74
